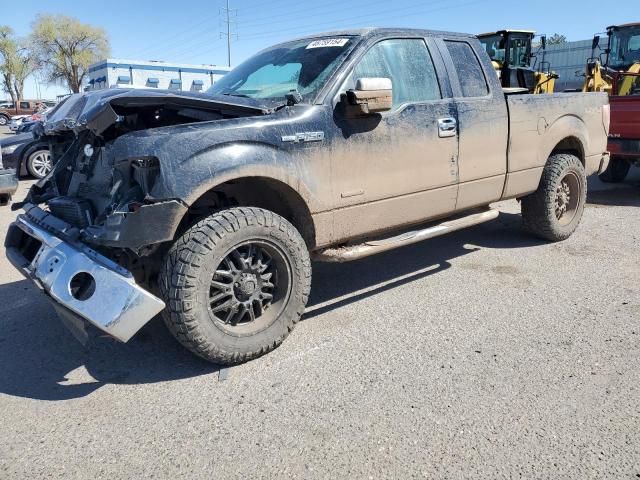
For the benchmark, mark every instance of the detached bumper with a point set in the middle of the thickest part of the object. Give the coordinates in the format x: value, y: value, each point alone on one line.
x: 80, y: 280
x: 8, y: 185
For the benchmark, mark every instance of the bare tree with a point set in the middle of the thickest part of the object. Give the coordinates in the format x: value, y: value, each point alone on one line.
x: 18, y: 62
x: 66, y: 47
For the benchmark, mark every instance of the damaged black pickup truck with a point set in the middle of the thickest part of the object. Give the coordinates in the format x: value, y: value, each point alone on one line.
x: 209, y: 207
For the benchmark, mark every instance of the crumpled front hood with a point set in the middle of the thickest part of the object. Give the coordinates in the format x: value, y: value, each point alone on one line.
x: 94, y: 111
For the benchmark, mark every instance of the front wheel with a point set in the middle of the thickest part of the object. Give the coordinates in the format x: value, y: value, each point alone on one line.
x: 616, y: 172
x: 39, y: 163
x: 235, y: 284
x: 4, y: 120
x: 555, y: 209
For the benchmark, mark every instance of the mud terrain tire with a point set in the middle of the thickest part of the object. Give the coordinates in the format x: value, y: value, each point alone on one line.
x: 194, y: 275
x: 554, y: 210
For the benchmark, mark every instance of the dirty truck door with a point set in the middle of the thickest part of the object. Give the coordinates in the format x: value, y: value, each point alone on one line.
x: 400, y: 166
x: 483, y: 123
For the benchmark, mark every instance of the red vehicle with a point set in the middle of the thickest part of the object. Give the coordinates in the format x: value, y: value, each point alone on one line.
x: 622, y: 71
x: 624, y: 133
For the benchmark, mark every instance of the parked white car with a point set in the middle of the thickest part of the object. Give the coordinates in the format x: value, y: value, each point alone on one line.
x: 16, y: 121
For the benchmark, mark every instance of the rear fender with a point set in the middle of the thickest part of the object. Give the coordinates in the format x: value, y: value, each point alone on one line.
x: 565, y: 127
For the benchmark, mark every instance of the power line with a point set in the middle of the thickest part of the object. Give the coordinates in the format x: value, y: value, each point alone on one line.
x: 170, y: 41
x: 354, y: 19
x: 296, y: 13
x: 227, y: 20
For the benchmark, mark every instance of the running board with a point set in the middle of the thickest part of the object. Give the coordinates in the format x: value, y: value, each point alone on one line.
x: 371, y: 247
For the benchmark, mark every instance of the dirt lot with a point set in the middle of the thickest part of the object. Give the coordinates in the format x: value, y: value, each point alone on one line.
x: 484, y: 354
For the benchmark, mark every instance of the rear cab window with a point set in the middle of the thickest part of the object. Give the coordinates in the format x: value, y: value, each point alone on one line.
x: 473, y: 82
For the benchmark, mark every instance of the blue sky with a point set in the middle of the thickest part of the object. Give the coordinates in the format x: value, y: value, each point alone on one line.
x: 188, y: 31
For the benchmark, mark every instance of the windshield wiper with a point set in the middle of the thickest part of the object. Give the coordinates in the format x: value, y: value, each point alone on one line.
x: 234, y: 94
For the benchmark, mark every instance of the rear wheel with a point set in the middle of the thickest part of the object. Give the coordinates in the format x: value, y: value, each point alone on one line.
x: 4, y: 120
x: 39, y: 163
x: 553, y: 212
x: 616, y: 172
x: 235, y: 284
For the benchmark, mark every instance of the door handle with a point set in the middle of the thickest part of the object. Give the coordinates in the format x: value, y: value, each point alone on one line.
x: 447, y: 127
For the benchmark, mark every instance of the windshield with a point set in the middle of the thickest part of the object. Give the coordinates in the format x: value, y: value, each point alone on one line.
x: 625, y: 48
x: 494, y: 45
x: 303, y: 65
x: 519, y: 51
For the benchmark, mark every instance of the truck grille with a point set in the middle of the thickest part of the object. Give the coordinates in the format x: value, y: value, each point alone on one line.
x: 75, y: 211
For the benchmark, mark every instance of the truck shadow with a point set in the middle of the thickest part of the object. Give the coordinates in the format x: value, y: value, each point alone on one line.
x: 336, y: 285
x: 41, y: 359
x: 625, y: 194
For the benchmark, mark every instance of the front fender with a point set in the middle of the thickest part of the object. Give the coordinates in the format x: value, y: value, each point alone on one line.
x: 234, y: 160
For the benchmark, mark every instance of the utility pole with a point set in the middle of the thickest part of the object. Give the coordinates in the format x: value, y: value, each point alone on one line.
x: 228, y: 21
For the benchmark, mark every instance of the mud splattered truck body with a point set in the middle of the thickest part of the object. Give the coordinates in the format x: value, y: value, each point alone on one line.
x: 209, y: 207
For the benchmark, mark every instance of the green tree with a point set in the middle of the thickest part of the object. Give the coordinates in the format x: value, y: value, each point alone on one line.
x: 556, y: 39
x: 66, y: 47
x: 17, y: 63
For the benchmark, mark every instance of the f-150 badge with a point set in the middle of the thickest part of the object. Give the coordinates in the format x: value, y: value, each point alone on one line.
x: 304, y: 137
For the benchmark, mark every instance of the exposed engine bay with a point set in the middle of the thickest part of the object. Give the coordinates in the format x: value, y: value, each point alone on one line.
x: 101, y: 190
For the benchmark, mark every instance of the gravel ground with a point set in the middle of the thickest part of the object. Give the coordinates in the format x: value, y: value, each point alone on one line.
x: 5, y: 132
x: 483, y: 354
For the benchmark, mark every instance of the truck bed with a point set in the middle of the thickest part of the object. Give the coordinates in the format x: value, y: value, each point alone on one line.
x: 538, y: 123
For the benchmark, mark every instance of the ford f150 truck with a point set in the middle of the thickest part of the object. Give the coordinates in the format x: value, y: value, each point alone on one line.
x: 209, y: 207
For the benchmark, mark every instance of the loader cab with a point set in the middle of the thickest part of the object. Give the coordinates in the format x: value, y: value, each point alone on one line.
x: 510, y: 52
x: 623, y: 50
x: 620, y: 59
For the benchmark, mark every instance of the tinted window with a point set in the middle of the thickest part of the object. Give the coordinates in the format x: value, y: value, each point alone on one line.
x: 519, y: 52
x: 409, y: 66
x: 470, y: 74
x: 24, y: 105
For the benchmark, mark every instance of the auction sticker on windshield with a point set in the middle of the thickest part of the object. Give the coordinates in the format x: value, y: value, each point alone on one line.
x: 328, y: 42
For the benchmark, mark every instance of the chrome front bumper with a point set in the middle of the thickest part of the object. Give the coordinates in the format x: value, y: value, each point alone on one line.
x: 81, y: 280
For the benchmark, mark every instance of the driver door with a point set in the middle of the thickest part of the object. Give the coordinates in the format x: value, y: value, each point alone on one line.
x: 399, y: 167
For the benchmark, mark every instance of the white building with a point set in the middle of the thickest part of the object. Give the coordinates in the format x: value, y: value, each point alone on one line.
x: 114, y: 72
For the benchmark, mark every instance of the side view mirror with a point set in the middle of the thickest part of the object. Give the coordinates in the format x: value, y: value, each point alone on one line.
x: 371, y: 95
x: 596, y: 42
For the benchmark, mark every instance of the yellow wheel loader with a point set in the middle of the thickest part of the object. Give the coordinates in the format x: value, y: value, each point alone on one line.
x: 512, y: 57
x: 617, y: 69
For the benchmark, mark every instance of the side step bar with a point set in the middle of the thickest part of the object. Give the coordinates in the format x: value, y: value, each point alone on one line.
x: 371, y: 247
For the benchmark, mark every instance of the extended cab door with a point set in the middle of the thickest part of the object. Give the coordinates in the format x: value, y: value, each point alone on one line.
x: 397, y: 167
x: 483, y: 122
